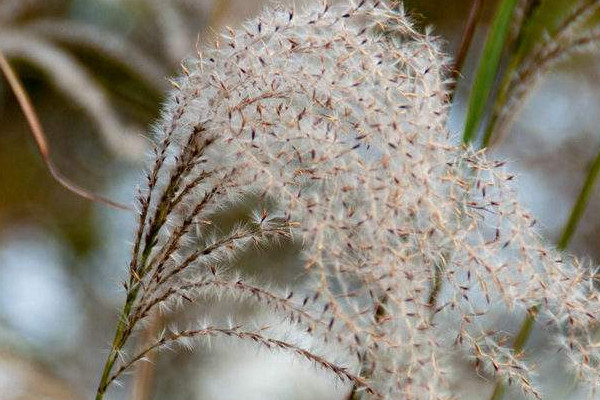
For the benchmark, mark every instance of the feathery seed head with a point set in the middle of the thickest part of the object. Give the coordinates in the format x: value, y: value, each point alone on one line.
x: 415, y: 246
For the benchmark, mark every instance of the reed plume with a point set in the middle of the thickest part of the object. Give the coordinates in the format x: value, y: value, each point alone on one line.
x: 333, y: 121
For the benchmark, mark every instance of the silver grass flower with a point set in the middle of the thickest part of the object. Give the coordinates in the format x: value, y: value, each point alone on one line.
x: 333, y: 121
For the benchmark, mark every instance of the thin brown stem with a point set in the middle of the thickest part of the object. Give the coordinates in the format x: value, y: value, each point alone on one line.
x: 40, y: 138
x: 465, y: 44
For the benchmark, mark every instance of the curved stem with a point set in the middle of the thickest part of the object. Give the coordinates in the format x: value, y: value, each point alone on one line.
x: 40, y: 137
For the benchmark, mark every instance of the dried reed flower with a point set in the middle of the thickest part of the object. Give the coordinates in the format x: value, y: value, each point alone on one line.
x: 333, y: 120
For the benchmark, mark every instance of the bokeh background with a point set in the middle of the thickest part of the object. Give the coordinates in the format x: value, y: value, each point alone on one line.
x: 86, y: 62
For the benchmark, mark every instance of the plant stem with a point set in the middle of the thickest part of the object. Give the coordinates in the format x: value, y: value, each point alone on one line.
x: 499, y: 103
x: 122, y: 332
x: 465, y: 44
x: 488, y: 68
x: 518, y: 345
x: 580, y: 204
x: 39, y: 135
x: 499, y: 391
x: 525, y: 331
x: 118, y: 342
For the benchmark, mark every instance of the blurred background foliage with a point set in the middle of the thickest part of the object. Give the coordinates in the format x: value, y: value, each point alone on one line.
x: 84, y: 62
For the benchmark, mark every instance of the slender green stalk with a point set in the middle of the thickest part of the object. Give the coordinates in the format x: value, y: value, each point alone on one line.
x: 499, y: 391
x: 525, y: 331
x: 118, y: 342
x: 123, y: 329
x: 488, y: 68
x: 518, y: 345
x: 580, y: 204
x: 498, y: 104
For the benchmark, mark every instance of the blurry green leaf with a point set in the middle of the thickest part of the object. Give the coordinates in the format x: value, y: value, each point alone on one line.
x: 488, y: 68
x: 547, y: 18
x: 527, y: 36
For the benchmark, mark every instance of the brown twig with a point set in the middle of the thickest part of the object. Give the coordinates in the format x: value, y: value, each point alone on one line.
x: 465, y: 44
x: 40, y: 138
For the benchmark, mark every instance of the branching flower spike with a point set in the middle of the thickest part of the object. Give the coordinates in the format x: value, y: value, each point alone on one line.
x: 333, y: 121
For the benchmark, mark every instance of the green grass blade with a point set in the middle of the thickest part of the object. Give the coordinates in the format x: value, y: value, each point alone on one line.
x: 488, y: 68
x: 580, y: 204
x: 522, y: 46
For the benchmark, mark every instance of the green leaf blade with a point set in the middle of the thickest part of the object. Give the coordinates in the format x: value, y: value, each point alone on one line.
x: 488, y: 68
x: 580, y: 204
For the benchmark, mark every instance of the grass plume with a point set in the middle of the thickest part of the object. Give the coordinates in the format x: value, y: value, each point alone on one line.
x: 333, y: 119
